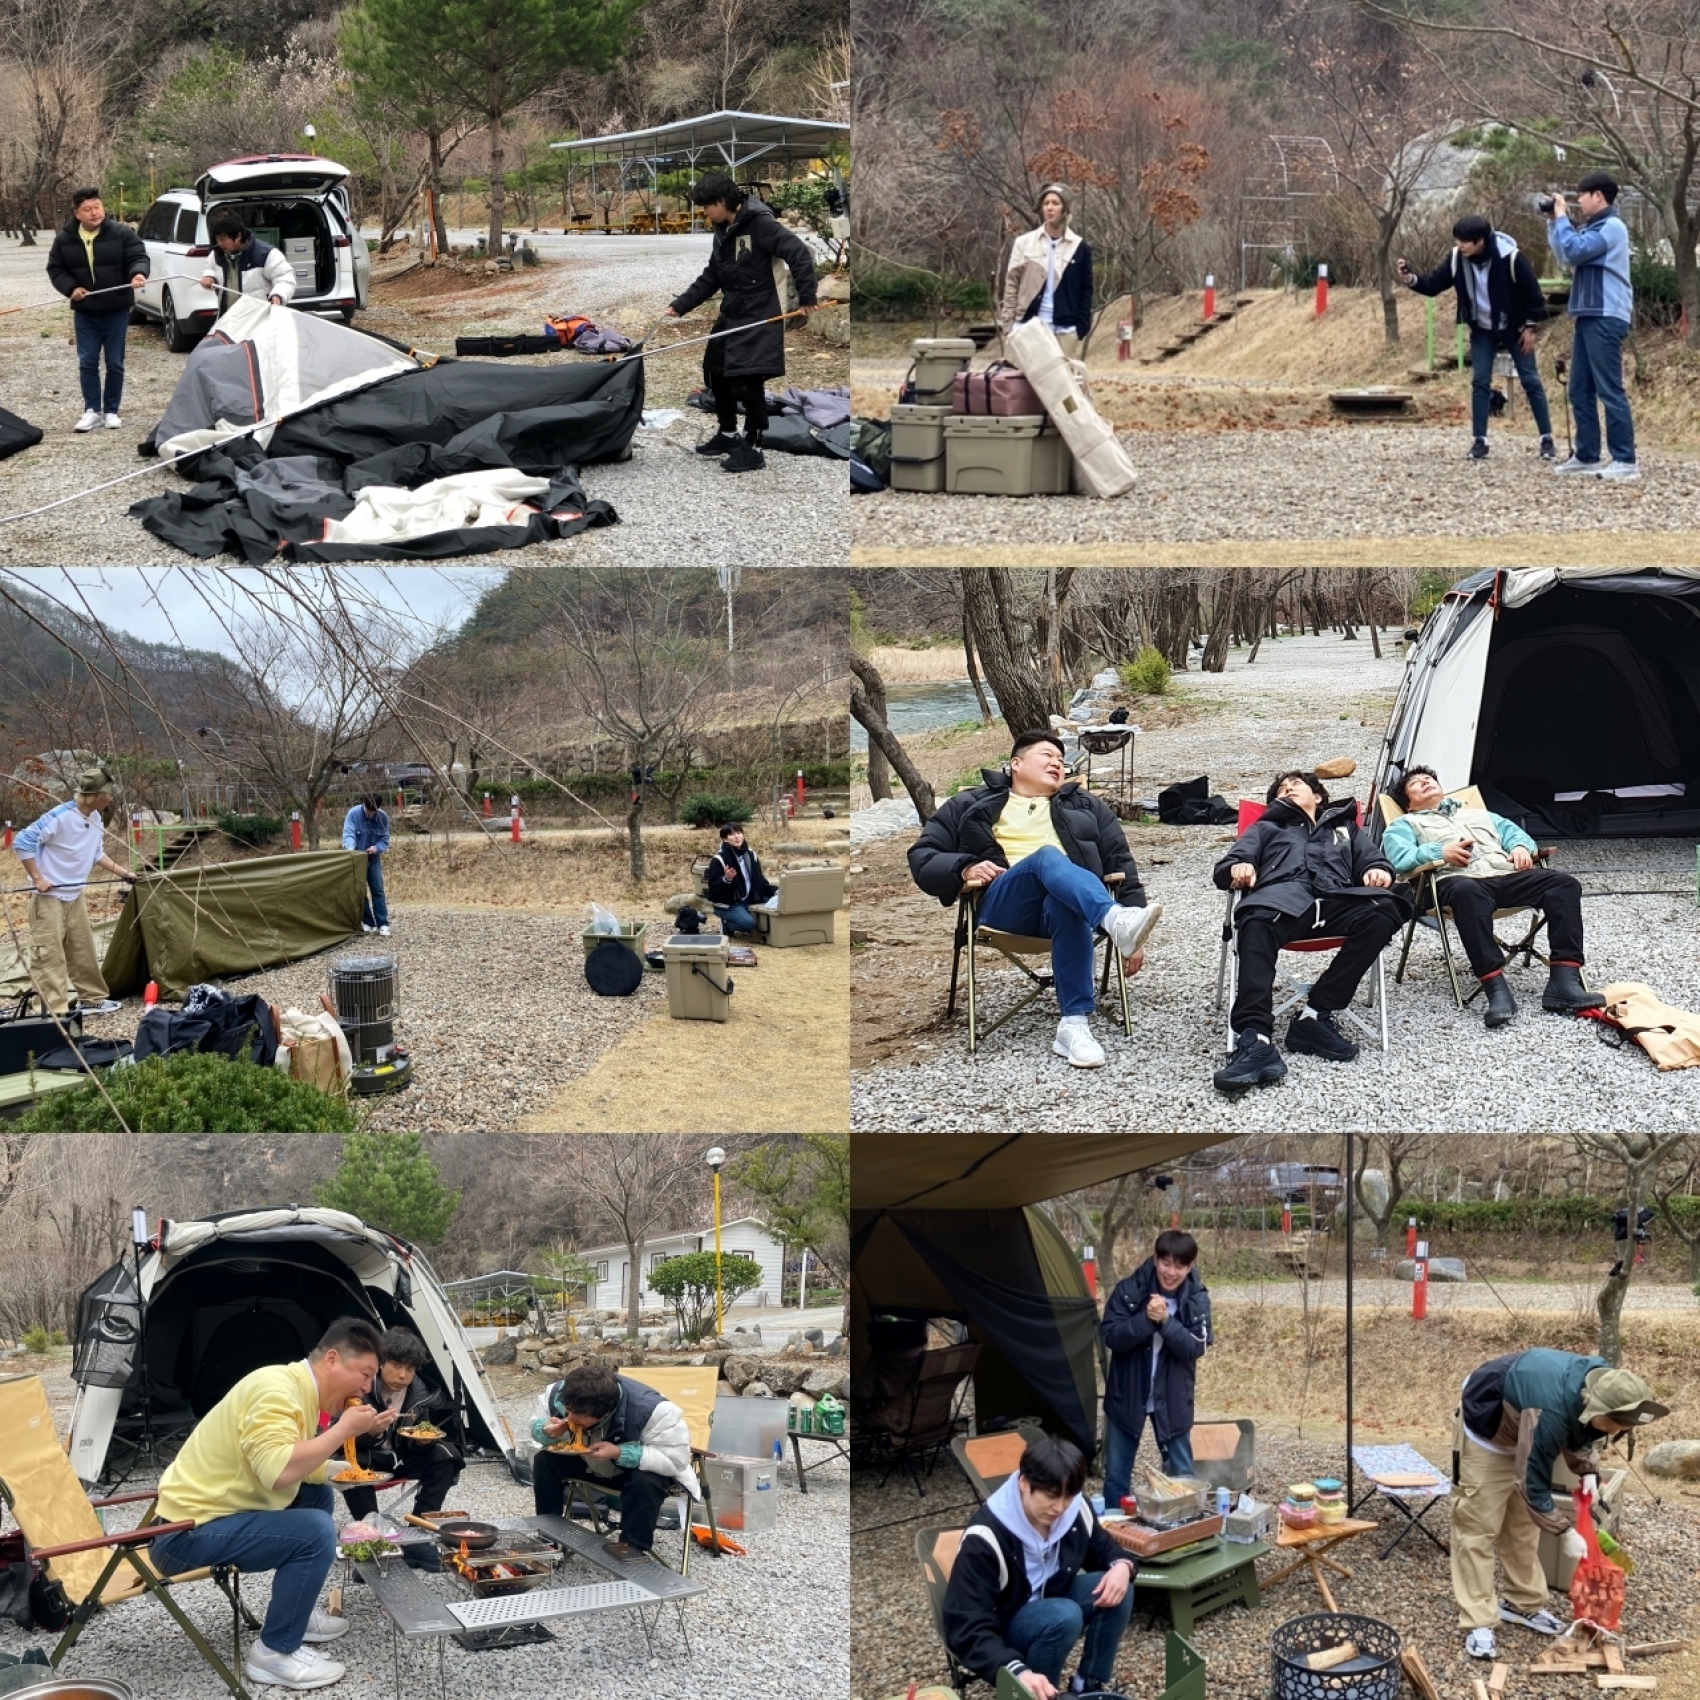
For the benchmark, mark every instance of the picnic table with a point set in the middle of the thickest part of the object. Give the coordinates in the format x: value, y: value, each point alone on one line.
x: 840, y: 1444
x: 1314, y: 1545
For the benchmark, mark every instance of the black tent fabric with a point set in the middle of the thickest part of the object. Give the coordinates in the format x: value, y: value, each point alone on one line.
x: 17, y: 434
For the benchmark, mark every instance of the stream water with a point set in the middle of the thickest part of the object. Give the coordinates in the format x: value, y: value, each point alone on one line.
x: 926, y: 707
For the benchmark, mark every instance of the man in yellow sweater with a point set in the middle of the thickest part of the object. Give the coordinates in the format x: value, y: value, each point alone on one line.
x: 251, y: 1475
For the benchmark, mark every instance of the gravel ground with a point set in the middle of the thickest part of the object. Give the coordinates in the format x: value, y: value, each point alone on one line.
x: 672, y: 503
x: 773, y: 1625
x: 894, y: 1641
x: 495, y: 1011
x: 1251, y: 486
x: 1304, y: 700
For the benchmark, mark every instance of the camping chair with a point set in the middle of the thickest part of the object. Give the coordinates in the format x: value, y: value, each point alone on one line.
x: 918, y: 1423
x: 1013, y: 947
x: 989, y: 1460
x: 1430, y: 914
x: 692, y: 1390
x: 62, y: 1533
x: 1228, y: 964
x: 936, y: 1549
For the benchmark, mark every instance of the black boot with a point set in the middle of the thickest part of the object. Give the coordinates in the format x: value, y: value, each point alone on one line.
x: 1565, y: 991
x: 1317, y: 1036
x: 1501, y: 1006
x: 1254, y: 1062
x: 746, y: 457
x: 721, y: 443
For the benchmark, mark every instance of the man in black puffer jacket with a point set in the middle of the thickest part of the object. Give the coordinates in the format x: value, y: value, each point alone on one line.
x: 735, y: 881
x: 1033, y: 1571
x: 1042, y: 849
x: 1307, y: 870
x: 750, y: 244
x: 99, y: 264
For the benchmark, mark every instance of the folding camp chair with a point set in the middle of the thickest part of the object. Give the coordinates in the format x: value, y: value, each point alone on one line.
x: 936, y: 1551
x: 989, y: 1460
x: 917, y: 1423
x: 1228, y: 964
x: 692, y: 1390
x: 63, y: 1534
x: 1013, y: 947
x: 1426, y: 912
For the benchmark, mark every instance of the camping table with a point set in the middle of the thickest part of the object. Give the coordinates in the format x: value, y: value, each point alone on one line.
x: 1200, y: 1585
x: 413, y: 1610
x: 1314, y: 1545
x: 840, y: 1444
x: 1401, y: 1460
x: 656, y: 1579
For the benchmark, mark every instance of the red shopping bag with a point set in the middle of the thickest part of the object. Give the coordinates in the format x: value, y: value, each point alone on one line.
x: 1596, y: 1590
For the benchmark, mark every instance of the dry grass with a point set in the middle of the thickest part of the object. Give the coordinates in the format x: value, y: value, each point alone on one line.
x: 919, y: 666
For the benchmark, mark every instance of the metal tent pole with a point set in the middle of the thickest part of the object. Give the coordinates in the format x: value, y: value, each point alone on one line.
x: 1351, y: 1199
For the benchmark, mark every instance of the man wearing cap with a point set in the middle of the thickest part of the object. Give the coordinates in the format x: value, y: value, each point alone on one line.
x: 58, y: 852
x: 1519, y: 1414
x: 1050, y: 275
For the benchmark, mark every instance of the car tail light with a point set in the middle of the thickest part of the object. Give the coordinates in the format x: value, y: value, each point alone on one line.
x: 340, y: 242
x: 198, y: 253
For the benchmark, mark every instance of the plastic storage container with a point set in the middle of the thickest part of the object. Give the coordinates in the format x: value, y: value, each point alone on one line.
x: 1023, y: 456
x: 917, y: 446
x: 746, y: 1428
x: 937, y: 361
x: 630, y: 935
x: 698, y: 986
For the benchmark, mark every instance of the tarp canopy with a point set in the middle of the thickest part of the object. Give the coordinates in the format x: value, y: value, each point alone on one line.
x: 1013, y: 1280
x: 193, y: 924
x: 1570, y: 695
x: 228, y: 1294
x: 346, y: 415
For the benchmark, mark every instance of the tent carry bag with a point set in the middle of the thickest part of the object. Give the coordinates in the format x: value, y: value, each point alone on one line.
x: 1102, y: 466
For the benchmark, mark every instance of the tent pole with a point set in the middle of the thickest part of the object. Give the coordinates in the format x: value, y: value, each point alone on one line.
x: 1351, y: 1200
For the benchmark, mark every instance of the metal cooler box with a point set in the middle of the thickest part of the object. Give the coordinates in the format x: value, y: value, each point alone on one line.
x: 745, y: 1491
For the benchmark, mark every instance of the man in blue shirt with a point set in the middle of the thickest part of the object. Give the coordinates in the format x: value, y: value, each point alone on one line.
x: 1485, y: 862
x: 366, y: 827
x: 1602, y: 309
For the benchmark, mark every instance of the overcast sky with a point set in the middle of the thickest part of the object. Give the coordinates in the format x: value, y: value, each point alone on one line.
x: 179, y: 604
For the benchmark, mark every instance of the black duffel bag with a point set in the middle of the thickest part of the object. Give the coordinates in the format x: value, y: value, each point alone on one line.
x: 231, y: 1026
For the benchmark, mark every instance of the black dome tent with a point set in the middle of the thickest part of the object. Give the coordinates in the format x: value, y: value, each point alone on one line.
x: 1569, y: 695
x: 230, y: 1293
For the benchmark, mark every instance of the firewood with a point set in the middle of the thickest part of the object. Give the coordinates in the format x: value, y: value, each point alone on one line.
x: 1329, y: 1657
x: 1418, y: 1674
x: 1614, y: 1657
x: 1497, y: 1679
x: 1478, y: 1688
x: 1647, y: 1649
x: 1614, y: 1679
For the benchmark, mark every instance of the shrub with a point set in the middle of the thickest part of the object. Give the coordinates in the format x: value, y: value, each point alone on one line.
x: 36, y: 1340
x: 687, y: 1283
x: 1658, y: 300
x: 1147, y: 674
x: 192, y: 1092
x: 706, y: 809
x: 255, y: 831
x: 914, y: 294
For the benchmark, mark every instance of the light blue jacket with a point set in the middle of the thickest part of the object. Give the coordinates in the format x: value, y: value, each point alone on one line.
x: 1401, y: 846
x: 1597, y: 254
x: 358, y: 833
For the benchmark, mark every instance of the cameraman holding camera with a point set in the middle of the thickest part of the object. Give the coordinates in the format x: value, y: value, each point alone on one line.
x: 1602, y: 309
x: 1499, y: 298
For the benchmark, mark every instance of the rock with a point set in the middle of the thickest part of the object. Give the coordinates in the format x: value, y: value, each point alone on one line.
x: 757, y: 1390
x: 1339, y: 767
x: 1680, y: 1458
x: 679, y: 900
x: 815, y: 1337
x: 499, y: 1352
x: 739, y: 1369
x: 1374, y: 1189
x: 822, y: 1381
x: 1439, y: 1269
x: 782, y: 1379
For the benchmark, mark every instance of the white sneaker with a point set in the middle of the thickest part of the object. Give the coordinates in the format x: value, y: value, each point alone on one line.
x: 1574, y: 465
x: 89, y: 420
x: 1129, y: 928
x: 1620, y: 471
x: 113, y: 422
x: 365, y: 929
x: 1481, y: 1644
x: 1074, y: 1040
x: 383, y: 932
x: 1542, y: 1621
x: 321, y: 1626
x: 304, y: 1668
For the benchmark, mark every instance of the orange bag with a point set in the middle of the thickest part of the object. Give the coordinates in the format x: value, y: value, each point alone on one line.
x: 1596, y: 1590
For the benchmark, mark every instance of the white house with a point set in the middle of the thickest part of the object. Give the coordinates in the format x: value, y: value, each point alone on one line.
x: 747, y: 1237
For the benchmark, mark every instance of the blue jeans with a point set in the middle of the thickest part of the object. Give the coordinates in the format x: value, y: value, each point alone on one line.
x: 735, y: 918
x: 1483, y: 347
x: 1120, y: 1445
x: 1044, y: 1630
x: 1596, y: 374
x: 296, y: 1544
x: 374, y: 911
x: 97, y: 332
x: 1046, y: 896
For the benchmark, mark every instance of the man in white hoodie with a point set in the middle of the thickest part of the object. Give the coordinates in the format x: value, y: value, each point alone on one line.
x: 1050, y: 275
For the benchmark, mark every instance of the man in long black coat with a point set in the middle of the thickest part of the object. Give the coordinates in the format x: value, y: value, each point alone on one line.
x: 750, y: 245
x: 98, y: 264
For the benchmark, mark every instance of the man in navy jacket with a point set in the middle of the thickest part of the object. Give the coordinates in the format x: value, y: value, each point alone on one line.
x: 1034, y: 1571
x: 1156, y: 1327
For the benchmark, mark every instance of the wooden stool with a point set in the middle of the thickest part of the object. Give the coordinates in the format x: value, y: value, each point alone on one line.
x: 1314, y: 1545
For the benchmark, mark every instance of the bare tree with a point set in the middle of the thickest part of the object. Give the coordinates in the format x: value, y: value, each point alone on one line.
x: 1010, y: 652
x: 1674, y: 1183
x: 880, y: 735
x: 1397, y: 1150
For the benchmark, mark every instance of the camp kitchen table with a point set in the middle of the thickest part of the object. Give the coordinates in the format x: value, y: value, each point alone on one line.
x: 1224, y: 1572
x: 1314, y: 1544
x: 1373, y: 1461
x: 840, y: 1444
x: 417, y: 1612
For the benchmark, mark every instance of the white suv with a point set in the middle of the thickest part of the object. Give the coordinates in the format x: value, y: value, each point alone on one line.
x: 296, y: 202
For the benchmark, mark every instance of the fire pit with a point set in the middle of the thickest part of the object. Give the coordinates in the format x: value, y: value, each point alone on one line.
x: 1373, y: 1671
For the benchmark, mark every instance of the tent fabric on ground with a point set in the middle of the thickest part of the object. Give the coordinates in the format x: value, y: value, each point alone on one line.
x: 231, y: 1293
x: 1011, y: 1277
x: 349, y: 412
x: 194, y: 924
x: 1569, y: 695
x: 17, y: 434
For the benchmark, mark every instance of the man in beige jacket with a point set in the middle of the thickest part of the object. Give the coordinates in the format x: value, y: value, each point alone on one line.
x: 1050, y: 275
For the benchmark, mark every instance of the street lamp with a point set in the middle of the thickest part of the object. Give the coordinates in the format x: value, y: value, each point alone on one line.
x: 312, y: 136
x: 714, y: 1159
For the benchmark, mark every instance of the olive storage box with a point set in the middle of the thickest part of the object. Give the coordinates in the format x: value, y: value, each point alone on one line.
x: 1022, y: 456
x: 917, y: 447
x: 937, y: 361
x: 698, y: 986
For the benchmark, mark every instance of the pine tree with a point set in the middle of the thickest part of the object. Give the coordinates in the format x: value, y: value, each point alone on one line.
x: 390, y: 1181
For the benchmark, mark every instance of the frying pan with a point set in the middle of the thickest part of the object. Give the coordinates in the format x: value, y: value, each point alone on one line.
x: 475, y: 1536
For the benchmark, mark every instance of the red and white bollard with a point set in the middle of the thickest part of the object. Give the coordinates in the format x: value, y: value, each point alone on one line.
x: 1286, y: 1219
x: 400, y: 798
x: 799, y: 790
x: 1209, y: 297
x: 8, y: 835
x: 295, y: 829
x: 486, y: 805
x: 513, y: 819
x: 1124, y: 339
x: 1419, y: 1283
x: 151, y: 995
x: 1321, y: 290
x: 1410, y: 1236
x: 1089, y: 1269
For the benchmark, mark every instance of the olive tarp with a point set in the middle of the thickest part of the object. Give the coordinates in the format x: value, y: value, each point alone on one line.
x: 194, y: 924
